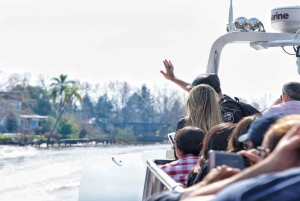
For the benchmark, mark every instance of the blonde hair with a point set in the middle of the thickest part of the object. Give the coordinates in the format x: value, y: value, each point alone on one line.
x: 202, y: 107
x: 278, y: 130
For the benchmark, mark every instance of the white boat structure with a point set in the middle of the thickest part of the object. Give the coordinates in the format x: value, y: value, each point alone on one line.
x: 286, y: 20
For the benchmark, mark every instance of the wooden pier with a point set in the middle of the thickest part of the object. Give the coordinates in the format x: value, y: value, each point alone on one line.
x: 62, y: 142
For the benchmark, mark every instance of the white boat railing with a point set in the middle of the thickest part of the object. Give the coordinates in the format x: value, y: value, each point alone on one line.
x: 157, y: 180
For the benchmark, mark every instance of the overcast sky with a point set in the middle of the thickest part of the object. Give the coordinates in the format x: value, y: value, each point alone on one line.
x: 127, y: 40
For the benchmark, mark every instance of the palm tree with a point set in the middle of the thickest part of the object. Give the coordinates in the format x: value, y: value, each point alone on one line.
x: 67, y: 95
x: 59, y: 86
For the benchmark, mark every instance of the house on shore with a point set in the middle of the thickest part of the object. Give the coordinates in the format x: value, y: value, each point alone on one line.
x: 11, y: 102
x: 31, y: 122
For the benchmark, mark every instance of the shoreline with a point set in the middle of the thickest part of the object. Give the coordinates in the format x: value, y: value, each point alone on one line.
x: 117, y: 144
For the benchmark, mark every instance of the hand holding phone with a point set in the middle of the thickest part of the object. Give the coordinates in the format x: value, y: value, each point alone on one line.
x: 219, y: 158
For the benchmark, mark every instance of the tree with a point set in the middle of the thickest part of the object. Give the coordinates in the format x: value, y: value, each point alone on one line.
x: 87, y: 107
x: 65, y: 128
x: 262, y: 102
x: 132, y: 110
x: 147, y: 109
x: 11, y: 122
x: 48, y: 124
x: 66, y: 95
x: 82, y: 133
x: 139, y: 107
x: 120, y: 92
x: 40, y: 101
x: 18, y: 79
x: 59, y: 86
x: 103, y: 111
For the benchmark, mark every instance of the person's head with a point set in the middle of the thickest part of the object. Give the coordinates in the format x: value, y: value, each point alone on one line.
x: 291, y: 91
x: 188, y: 140
x: 202, y: 107
x: 241, y: 128
x: 217, y: 138
x: 278, y: 130
x: 210, y: 79
x: 254, y: 136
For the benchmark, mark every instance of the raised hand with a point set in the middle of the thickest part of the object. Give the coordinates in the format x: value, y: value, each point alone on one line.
x: 169, y: 73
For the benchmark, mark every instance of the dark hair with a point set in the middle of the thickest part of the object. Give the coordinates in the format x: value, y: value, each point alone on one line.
x: 241, y: 128
x: 189, y: 140
x: 216, y: 139
x: 292, y: 89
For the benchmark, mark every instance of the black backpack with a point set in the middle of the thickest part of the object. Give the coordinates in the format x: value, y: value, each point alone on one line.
x: 245, y: 108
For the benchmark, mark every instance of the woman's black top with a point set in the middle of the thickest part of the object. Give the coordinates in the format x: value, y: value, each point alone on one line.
x: 194, y: 178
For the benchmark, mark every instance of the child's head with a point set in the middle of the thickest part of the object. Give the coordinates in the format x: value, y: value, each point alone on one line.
x: 188, y: 140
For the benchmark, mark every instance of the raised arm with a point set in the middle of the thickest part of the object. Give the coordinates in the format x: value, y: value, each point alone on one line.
x: 169, y: 75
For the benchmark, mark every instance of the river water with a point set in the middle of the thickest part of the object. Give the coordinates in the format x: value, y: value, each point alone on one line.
x: 29, y: 173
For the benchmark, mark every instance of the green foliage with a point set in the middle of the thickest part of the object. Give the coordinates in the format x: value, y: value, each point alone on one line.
x: 124, y: 135
x: 82, y: 133
x: 120, y: 105
x: 132, y: 111
x: 40, y: 101
x: 65, y: 128
x: 87, y: 107
x: 139, y: 107
x: 48, y: 124
x: 103, y: 107
x: 103, y: 112
x: 2, y: 137
x: 38, y: 136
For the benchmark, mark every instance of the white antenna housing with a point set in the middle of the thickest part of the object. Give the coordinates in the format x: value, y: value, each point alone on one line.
x: 286, y: 19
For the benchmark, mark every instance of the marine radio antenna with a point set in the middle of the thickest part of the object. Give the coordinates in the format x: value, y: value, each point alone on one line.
x: 230, y: 25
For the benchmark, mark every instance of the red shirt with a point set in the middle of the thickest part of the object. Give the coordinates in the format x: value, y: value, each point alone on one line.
x: 179, y: 170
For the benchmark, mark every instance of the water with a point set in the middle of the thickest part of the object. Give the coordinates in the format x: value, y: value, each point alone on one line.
x: 29, y: 173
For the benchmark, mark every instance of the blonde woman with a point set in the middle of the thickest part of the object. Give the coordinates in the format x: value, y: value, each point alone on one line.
x: 202, y: 108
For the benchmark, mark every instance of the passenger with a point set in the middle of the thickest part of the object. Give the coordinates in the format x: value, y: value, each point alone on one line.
x: 202, y: 108
x: 216, y: 139
x: 278, y: 130
x: 289, y: 102
x: 188, y: 144
x: 241, y: 128
x: 231, y: 112
x: 280, y: 182
x: 254, y: 137
x: 272, y: 138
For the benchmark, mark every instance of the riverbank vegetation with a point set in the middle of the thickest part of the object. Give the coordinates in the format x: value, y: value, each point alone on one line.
x: 59, y: 109
x: 70, y: 109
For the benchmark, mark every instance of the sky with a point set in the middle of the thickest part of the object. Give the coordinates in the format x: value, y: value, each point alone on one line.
x: 101, y: 40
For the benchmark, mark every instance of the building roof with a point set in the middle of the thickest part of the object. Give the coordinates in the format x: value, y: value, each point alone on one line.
x: 18, y: 96
x: 33, y: 116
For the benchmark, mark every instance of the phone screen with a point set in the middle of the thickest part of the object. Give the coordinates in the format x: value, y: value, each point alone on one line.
x: 171, y: 137
x: 218, y: 158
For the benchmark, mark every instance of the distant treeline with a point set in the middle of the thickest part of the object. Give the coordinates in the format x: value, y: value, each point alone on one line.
x: 81, y: 110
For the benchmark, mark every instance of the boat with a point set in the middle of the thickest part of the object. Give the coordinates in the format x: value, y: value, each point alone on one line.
x: 140, y: 184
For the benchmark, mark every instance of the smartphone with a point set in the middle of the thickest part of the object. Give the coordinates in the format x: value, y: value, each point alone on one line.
x: 171, y: 137
x: 218, y: 158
